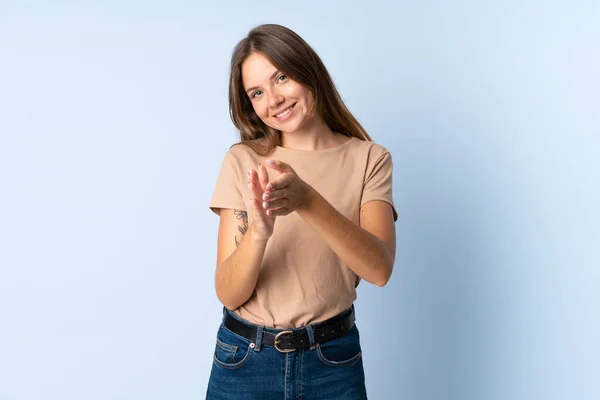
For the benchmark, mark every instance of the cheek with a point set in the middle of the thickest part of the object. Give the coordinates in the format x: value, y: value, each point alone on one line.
x: 309, y: 99
x: 260, y: 110
x: 306, y: 97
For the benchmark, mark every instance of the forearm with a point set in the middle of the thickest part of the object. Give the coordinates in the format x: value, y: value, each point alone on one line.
x: 236, y: 277
x: 364, y: 253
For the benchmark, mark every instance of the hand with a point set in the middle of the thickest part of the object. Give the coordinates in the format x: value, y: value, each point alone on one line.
x: 285, y: 194
x: 262, y: 223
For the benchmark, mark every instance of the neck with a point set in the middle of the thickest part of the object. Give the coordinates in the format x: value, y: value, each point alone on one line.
x: 315, y: 135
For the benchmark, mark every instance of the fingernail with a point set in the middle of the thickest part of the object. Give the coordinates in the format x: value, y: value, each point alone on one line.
x: 271, y: 161
x: 269, y: 186
x: 266, y: 196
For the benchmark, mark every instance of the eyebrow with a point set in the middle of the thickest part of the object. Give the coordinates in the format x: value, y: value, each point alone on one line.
x: 271, y: 78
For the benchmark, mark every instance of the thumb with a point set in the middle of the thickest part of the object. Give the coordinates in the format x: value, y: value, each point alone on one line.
x: 279, y: 166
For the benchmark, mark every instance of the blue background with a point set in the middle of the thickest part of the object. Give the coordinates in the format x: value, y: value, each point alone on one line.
x: 113, y: 125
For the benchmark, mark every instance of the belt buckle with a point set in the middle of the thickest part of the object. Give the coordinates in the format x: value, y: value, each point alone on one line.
x: 277, y: 342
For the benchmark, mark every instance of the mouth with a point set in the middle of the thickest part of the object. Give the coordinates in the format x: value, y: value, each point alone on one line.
x: 285, y: 112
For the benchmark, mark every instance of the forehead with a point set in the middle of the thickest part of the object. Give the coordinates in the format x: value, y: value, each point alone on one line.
x: 256, y: 70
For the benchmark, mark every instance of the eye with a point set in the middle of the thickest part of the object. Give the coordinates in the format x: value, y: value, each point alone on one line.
x: 257, y: 93
x: 282, y: 78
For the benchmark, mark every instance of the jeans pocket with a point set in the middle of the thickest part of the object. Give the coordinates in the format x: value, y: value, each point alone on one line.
x: 231, y: 351
x: 341, y: 352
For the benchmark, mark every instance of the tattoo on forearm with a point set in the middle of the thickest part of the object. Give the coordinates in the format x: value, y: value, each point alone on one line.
x: 243, y: 217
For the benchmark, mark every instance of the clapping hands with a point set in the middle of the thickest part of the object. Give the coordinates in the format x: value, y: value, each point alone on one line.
x: 278, y: 197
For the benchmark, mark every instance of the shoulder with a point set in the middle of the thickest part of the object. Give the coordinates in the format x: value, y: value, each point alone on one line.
x: 369, y: 149
x: 243, y: 151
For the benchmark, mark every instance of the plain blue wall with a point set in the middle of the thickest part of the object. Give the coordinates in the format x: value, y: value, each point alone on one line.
x: 113, y: 126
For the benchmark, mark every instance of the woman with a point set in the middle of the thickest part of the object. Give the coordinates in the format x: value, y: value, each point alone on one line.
x: 306, y: 212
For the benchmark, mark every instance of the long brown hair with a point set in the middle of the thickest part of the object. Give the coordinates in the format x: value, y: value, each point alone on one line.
x: 289, y: 53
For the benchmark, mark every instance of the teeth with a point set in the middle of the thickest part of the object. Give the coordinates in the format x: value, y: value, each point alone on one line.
x: 283, y: 114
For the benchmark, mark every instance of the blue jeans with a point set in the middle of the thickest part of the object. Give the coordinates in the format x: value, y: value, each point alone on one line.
x: 245, y: 370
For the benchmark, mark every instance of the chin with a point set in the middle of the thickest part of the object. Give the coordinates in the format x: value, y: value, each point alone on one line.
x: 285, y: 128
x: 293, y: 126
x: 290, y: 130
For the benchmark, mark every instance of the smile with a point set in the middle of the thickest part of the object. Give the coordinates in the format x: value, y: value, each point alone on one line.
x: 285, y: 112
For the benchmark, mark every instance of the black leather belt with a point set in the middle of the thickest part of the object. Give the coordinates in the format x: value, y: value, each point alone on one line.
x: 290, y: 340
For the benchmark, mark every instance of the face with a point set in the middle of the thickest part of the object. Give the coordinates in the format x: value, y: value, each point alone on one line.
x: 279, y: 101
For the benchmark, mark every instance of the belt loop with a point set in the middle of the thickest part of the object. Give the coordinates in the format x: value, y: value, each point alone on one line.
x: 311, y: 336
x: 259, y: 337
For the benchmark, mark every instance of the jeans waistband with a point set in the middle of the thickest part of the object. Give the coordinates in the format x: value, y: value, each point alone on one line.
x: 286, y: 340
x: 329, y: 321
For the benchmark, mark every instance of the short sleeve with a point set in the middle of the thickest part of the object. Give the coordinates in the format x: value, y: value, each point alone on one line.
x: 227, y: 192
x: 378, y: 182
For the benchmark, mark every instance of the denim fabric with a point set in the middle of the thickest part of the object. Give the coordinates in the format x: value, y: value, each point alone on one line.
x: 244, y: 370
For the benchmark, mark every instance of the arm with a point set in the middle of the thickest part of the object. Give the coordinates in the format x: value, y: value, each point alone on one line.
x: 240, y: 248
x: 369, y: 249
x: 239, y: 257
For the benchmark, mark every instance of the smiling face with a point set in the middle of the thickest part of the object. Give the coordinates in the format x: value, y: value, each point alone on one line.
x: 279, y: 101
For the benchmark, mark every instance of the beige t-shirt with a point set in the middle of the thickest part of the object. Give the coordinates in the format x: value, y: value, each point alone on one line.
x: 302, y: 281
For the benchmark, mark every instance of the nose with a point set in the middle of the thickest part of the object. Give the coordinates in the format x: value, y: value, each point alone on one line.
x: 275, y: 99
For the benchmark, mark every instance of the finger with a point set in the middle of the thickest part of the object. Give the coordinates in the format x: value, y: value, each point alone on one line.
x: 259, y: 191
x: 254, y: 194
x: 275, y: 194
x: 278, y: 212
x: 263, y: 176
x: 280, y: 166
x: 250, y: 174
x: 274, y: 204
x: 253, y: 177
x: 258, y: 212
x: 257, y: 206
x: 255, y: 190
x: 279, y: 183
